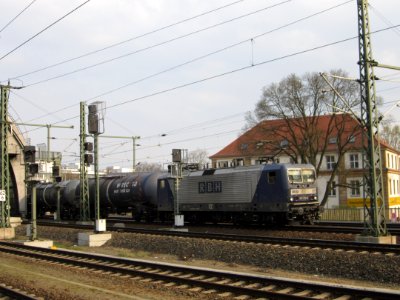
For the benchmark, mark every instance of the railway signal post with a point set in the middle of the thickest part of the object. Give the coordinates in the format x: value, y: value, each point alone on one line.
x: 177, y: 158
x: 95, y: 127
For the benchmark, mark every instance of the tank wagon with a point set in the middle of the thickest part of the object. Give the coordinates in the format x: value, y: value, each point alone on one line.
x: 136, y: 193
x: 271, y: 193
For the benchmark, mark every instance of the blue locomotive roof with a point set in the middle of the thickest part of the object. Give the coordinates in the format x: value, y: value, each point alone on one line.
x: 254, y: 168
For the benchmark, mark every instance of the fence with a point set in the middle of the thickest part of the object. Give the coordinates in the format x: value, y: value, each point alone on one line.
x: 356, y: 214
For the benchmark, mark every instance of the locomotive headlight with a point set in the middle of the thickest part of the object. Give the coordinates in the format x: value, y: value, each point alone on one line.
x: 291, y: 199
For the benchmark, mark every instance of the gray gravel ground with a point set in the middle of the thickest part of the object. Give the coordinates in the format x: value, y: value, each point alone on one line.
x: 356, y: 266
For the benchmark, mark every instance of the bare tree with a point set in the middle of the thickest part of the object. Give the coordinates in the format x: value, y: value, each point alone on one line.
x: 390, y: 134
x: 198, y: 156
x: 300, y: 102
x: 148, y: 167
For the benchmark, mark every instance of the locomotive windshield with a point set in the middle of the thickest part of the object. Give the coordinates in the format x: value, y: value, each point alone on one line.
x: 301, y: 175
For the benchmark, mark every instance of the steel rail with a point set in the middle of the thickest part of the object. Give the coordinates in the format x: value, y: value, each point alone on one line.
x: 216, y: 281
x: 13, y: 293
x: 312, y: 243
x: 319, y: 226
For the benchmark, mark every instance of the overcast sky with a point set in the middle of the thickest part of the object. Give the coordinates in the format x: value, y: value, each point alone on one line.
x: 182, y: 73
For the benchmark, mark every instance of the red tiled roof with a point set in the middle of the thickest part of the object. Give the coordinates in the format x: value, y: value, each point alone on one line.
x: 265, y: 138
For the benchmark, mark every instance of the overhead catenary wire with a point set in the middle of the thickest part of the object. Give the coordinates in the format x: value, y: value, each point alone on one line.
x: 235, y: 71
x: 154, y: 45
x: 384, y: 19
x: 35, y: 105
x: 130, y: 39
x: 20, y: 13
x: 181, y: 141
x: 251, y: 39
x: 202, y: 56
x: 43, y: 30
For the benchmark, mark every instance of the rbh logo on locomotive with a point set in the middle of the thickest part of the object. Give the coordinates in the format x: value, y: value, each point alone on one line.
x: 210, y: 187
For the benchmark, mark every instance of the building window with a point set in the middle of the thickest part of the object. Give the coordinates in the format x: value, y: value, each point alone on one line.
x: 243, y: 146
x: 284, y: 144
x: 331, y: 189
x: 238, y: 162
x: 352, y: 139
x: 355, y: 188
x: 390, y: 187
x: 330, y: 162
x: 332, y: 140
x: 223, y: 164
x: 354, y: 162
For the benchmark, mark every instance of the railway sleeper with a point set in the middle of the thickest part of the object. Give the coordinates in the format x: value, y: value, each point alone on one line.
x: 322, y: 296
x: 238, y: 283
x: 344, y: 297
x: 268, y: 288
x: 226, y: 294
x: 287, y: 290
x: 304, y: 293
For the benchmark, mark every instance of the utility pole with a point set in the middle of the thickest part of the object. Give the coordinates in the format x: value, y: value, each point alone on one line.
x: 134, y: 138
x: 5, y: 171
x: 48, y: 126
x: 5, y: 162
x: 374, y: 211
x: 84, y: 188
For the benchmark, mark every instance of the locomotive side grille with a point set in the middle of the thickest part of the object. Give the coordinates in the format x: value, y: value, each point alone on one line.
x: 237, y: 187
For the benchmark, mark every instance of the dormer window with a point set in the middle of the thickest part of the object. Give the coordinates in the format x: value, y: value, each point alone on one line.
x: 259, y: 144
x: 284, y: 144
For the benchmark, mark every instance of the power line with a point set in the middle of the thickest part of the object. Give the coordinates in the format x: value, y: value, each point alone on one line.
x: 35, y: 105
x: 20, y: 13
x: 384, y: 19
x: 129, y: 40
x: 154, y: 45
x: 219, y: 50
x: 202, y: 57
x: 233, y: 71
x: 236, y: 71
x: 44, y: 29
x: 180, y: 141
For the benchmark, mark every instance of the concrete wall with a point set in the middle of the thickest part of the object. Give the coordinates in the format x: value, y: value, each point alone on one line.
x: 15, y: 146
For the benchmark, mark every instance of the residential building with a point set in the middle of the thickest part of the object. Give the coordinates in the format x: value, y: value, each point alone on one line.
x: 333, y: 143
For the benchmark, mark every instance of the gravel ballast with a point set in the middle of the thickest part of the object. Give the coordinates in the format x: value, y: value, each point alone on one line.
x: 330, y: 263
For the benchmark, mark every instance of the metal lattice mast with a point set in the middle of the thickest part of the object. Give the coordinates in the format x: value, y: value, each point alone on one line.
x: 5, y: 171
x: 374, y: 211
x: 84, y: 191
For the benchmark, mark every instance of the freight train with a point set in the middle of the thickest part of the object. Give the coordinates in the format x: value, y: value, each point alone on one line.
x: 269, y: 193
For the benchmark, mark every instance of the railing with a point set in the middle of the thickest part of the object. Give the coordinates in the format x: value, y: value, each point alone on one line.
x: 356, y: 214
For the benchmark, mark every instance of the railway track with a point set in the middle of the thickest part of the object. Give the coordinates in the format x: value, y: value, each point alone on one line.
x: 223, y: 283
x: 387, y: 249
x: 345, y: 227
x: 11, y: 293
x: 320, y: 226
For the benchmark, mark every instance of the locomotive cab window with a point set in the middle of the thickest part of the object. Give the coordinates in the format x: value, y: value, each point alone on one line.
x: 294, y: 175
x: 308, y: 175
x: 301, y: 175
x: 271, y: 177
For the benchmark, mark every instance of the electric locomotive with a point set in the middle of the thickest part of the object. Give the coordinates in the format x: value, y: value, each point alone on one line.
x: 270, y: 193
